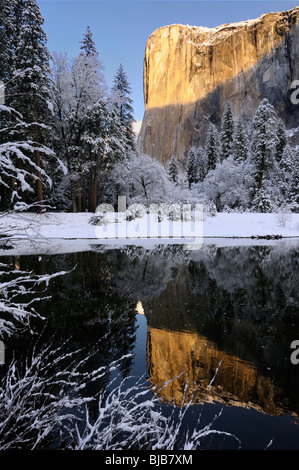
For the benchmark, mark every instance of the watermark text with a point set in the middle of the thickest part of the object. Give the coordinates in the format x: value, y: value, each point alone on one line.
x: 156, y: 221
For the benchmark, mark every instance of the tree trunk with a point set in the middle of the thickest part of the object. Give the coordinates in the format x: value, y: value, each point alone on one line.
x: 261, y: 173
x: 79, y: 196
x: 90, y: 190
x: 95, y: 189
x: 37, y: 162
x: 83, y: 194
x: 73, y: 193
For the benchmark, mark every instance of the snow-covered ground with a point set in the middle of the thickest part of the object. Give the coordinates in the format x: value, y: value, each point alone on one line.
x: 51, y: 232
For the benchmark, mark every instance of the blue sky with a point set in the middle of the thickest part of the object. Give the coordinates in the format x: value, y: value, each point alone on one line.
x: 121, y: 28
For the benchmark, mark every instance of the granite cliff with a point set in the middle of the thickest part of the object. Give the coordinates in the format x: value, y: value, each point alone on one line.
x: 190, y: 72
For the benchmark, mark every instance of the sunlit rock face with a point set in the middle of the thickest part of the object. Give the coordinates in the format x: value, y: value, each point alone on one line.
x: 196, y: 371
x: 190, y: 72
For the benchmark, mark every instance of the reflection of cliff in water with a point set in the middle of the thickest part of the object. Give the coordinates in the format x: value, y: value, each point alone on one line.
x: 206, y: 374
x: 239, y: 304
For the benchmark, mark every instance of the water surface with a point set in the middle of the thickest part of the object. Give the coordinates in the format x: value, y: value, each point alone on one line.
x: 216, y: 324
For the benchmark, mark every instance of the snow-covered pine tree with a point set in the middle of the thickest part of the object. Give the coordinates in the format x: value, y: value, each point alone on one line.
x: 6, y: 38
x: 261, y: 201
x: 116, y: 153
x: 191, y: 169
x: 286, y: 166
x: 27, y: 116
x: 294, y: 185
x: 281, y: 135
x: 263, y: 141
x: 240, y: 142
x: 121, y: 96
x: 28, y: 90
x: 227, y: 132
x: 10, y: 24
x: 18, y: 170
x: 93, y: 127
x: 117, y: 148
x: 172, y: 169
x: 6, y: 55
x: 212, y: 147
x: 88, y: 44
x: 200, y: 165
x: 94, y: 145
x: 196, y: 165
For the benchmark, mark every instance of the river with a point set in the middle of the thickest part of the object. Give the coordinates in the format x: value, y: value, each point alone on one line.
x: 209, y: 329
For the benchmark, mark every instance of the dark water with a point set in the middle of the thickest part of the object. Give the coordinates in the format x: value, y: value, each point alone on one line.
x: 222, y: 314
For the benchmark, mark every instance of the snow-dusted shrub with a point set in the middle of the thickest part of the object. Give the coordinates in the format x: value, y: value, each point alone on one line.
x: 43, y: 403
x: 209, y: 208
x: 41, y: 398
x: 18, y: 296
x: 284, y: 215
x: 294, y: 207
x: 231, y: 210
x: 227, y: 185
x: 131, y: 417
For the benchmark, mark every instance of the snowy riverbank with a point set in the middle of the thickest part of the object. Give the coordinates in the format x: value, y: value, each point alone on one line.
x: 53, y: 232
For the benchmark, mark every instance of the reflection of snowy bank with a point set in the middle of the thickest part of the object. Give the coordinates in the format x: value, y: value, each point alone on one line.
x: 17, y: 246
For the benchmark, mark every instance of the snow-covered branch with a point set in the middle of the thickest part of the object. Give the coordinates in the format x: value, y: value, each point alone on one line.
x: 16, y: 287
x: 131, y: 417
x: 40, y: 398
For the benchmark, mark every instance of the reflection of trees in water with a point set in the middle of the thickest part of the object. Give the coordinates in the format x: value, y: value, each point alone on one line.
x: 248, y: 303
x: 255, y: 282
x: 145, y: 273
x: 244, y: 301
x: 242, y: 298
x: 256, y: 286
x: 85, y: 308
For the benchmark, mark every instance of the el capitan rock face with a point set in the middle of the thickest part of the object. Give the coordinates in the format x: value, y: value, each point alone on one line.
x: 190, y: 72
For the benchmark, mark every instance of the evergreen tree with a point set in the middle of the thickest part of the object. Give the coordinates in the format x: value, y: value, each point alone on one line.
x: 7, y: 9
x: 281, y: 136
x: 212, y: 148
x: 191, y: 168
x: 227, y: 132
x: 123, y: 103
x: 18, y: 172
x: 294, y: 185
x: 263, y: 141
x: 27, y: 90
x: 88, y: 45
x: 200, y: 165
x: 116, y: 153
x: 240, y: 142
x: 94, y: 147
x: 172, y: 169
x: 196, y: 165
x: 287, y: 159
x: 285, y: 170
x: 261, y: 201
x: 10, y: 19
